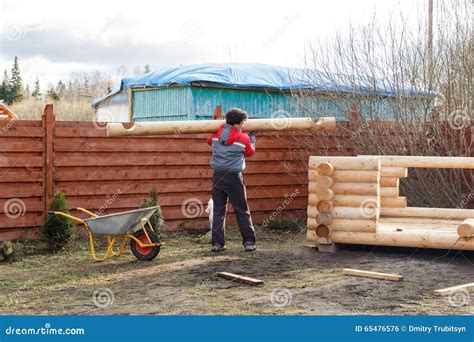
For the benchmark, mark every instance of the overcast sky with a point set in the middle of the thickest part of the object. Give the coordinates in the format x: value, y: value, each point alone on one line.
x: 53, y: 38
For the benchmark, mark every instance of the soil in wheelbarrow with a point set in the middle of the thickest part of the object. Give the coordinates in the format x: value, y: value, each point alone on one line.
x: 182, y: 280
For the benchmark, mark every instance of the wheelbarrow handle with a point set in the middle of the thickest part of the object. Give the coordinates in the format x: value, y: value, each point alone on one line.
x: 77, y: 219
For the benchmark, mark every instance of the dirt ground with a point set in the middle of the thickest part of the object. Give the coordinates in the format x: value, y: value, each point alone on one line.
x: 182, y: 280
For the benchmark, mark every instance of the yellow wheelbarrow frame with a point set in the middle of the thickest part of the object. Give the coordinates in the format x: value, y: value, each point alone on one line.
x: 111, y: 239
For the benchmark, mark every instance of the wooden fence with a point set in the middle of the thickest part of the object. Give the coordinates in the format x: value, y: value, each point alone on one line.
x: 107, y: 175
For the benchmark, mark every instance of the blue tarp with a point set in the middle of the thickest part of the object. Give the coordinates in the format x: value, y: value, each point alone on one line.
x: 265, y: 77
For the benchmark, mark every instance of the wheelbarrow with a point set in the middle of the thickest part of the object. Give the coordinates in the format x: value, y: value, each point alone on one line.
x: 119, y: 227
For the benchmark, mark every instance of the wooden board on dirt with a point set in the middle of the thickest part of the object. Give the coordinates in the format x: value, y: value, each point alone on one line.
x: 240, y: 279
x: 369, y: 274
x: 449, y: 290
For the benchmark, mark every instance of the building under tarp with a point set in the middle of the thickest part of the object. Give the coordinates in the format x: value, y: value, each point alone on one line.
x: 193, y: 92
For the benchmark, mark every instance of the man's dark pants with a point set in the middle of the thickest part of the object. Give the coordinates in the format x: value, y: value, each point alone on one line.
x: 230, y: 186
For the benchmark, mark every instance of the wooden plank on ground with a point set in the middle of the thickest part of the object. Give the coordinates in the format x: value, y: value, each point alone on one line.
x: 449, y: 290
x: 369, y: 274
x: 239, y: 278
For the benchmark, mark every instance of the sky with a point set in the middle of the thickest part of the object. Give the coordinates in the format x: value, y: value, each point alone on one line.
x: 55, y: 38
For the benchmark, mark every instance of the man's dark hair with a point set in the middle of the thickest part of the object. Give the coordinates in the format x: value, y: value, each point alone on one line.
x: 235, y: 116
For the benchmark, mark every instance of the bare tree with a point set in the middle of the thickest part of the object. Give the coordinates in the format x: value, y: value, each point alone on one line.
x: 380, y: 80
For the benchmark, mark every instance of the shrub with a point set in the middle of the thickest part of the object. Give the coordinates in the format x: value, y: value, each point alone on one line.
x: 156, y: 219
x: 58, y: 230
x: 6, y: 249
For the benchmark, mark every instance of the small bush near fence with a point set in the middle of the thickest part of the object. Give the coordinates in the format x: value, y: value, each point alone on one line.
x: 156, y: 219
x: 58, y: 230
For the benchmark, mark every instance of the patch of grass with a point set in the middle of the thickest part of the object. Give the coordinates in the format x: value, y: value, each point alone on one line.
x: 291, y: 225
x: 204, y: 239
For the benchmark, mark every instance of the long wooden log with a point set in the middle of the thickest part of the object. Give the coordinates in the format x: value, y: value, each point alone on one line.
x: 324, y: 206
x: 400, y: 172
x: 311, y: 223
x: 444, y: 213
x: 323, y: 231
x: 209, y: 126
x: 393, y: 202
x: 312, y: 211
x: 325, y: 169
x: 466, y: 229
x: 389, y: 181
x: 428, y: 162
x: 389, y: 191
x: 354, y: 176
x: 355, y: 189
x: 324, y: 218
x: 352, y: 200
x: 365, y: 212
x: 368, y: 226
x: 324, y: 181
x: 325, y: 194
x: 346, y: 163
x: 313, y: 199
x: 405, y: 239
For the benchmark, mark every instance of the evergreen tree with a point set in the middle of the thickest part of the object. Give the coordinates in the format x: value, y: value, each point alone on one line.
x: 16, y: 84
x: 52, y: 94
x: 5, y: 93
x: 58, y: 230
x: 36, y: 94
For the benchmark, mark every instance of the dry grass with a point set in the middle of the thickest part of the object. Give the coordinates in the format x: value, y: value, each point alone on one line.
x: 65, y: 110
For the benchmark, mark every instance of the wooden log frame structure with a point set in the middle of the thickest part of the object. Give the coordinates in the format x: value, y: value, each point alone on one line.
x: 356, y: 200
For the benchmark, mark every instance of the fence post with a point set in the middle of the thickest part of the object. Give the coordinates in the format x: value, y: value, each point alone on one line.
x: 48, y: 120
x: 217, y: 113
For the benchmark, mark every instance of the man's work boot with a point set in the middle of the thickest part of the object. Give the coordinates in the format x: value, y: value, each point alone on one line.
x: 250, y: 247
x: 218, y: 248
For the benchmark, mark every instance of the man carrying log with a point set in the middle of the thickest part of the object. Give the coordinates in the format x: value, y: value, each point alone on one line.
x: 230, y: 146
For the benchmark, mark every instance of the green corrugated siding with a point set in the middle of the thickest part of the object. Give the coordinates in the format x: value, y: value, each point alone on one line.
x: 166, y: 104
x: 256, y: 103
x: 198, y: 103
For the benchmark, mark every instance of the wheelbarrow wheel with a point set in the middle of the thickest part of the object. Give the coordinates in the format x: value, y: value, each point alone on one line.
x: 145, y: 253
